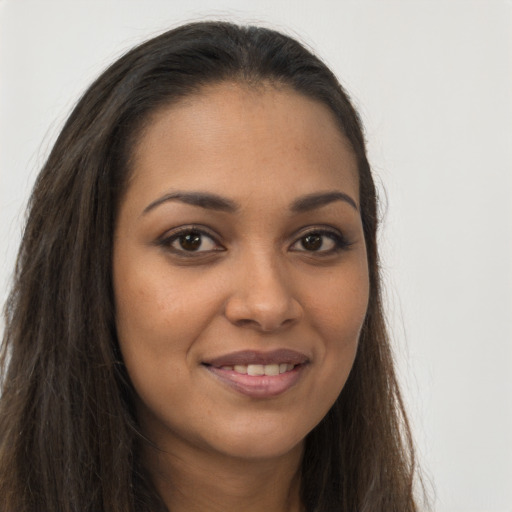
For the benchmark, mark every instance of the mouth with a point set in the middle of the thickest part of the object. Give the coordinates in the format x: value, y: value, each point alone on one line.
x: 259, y: 374
x: 256, y: 370
x: 257, y: 358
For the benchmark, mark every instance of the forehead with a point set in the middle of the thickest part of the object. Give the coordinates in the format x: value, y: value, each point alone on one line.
x: 240, y: 139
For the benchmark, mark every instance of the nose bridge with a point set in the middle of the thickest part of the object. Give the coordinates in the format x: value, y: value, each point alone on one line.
x: 267, y: 279
x: 262, y: 293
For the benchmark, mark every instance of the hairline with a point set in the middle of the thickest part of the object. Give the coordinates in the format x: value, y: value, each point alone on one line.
x: 252, y: 84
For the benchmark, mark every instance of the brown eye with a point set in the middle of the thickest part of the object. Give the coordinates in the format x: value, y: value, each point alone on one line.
x: 312, y: 242
x: 191, y: 241
x: 321, y: 242
x: 188, y: 241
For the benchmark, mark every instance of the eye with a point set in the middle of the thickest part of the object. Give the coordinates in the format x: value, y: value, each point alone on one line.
x: 323, y: 242
x: 190, y: 240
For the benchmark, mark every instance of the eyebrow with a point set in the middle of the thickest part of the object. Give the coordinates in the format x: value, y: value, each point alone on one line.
x: 201, y: 199
x: 317, y: 200
x: 215, y: 202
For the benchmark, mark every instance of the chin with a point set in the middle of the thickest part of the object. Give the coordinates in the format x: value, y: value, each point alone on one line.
x: 268, y: 442
x: 256, y: 448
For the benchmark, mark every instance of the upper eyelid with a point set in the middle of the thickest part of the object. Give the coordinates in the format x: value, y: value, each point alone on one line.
x: 177, y: 231
x: 319, y: 228
x: 337, y: 236
x: 168, y: 240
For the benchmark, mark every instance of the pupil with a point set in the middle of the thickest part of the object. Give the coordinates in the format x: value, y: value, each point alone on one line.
x: 191, y: 241
x: 312, y: 242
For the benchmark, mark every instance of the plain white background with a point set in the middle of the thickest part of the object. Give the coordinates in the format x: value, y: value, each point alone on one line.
x: 433, y: 82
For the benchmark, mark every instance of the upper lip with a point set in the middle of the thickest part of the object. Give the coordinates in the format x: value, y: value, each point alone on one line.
x: 246, y: 357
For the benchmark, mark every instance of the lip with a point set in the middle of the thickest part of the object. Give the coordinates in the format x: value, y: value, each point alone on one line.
x: 245, y: 357
x: 258, y: 386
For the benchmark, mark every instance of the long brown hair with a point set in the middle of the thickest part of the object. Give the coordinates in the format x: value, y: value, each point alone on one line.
x: 68, y: 433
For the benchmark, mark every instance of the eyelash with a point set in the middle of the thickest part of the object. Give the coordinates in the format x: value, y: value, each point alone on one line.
x: 178, y: 233
x: 340, y: 242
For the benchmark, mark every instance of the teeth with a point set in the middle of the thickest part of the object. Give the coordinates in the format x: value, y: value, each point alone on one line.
x: 255, y: 369
x: 261, y: 369
x: 271, y: 369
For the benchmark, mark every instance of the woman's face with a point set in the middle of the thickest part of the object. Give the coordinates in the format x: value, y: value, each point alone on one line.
x: 240, y: 271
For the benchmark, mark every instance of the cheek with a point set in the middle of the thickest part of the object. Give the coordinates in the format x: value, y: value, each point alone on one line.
x: 159, y: 316
x: 338, y: 305
x: 338, y: 314
x: 152, y: 305
x: 155, y: 331
x: 145, y: 315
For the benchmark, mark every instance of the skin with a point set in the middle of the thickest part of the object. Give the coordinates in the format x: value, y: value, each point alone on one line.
x: 255, y: 283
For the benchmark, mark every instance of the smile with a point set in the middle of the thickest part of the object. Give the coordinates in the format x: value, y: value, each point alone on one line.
x: 260, y: 369
x: 259, y: 375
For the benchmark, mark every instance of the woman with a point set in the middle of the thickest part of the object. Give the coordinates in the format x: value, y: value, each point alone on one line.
x: 196, y: 320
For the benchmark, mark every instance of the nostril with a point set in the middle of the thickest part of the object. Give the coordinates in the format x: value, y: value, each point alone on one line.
x: 264, y: 326
x: 243, y: 322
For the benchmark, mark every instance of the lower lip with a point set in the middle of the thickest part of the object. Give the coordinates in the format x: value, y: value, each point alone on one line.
x: 259, y: 386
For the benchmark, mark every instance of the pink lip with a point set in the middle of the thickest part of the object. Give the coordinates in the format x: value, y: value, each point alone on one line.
x: 260, y: 386
x: 245, y: 357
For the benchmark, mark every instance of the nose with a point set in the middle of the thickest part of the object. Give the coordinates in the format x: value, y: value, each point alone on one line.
x: 262, y: 297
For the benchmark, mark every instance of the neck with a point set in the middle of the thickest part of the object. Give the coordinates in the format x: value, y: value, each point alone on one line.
x: 216, y: 483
